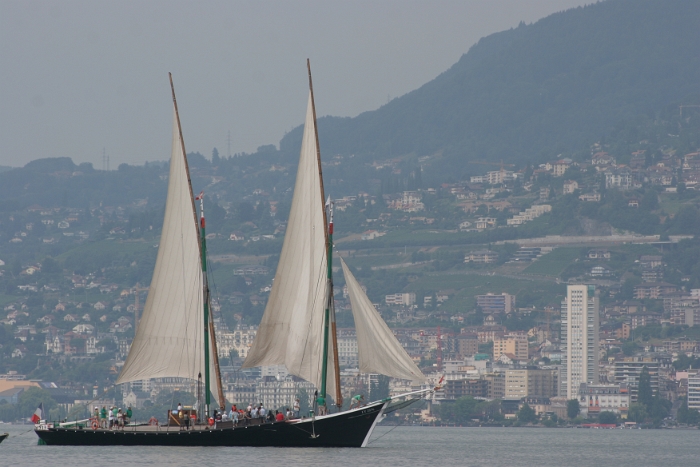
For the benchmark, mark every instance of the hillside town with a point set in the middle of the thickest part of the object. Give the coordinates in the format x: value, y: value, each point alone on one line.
x: 456, y: 301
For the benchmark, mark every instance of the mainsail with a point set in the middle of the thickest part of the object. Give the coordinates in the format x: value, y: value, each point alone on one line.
x: 291, y: 330
x: 169, y: 341
x: 379, y: 351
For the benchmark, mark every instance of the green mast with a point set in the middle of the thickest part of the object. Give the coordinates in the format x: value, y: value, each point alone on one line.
x: 202, y: 225
x: 321, y: 400
x: 327, y: 315
x: 203, y: 247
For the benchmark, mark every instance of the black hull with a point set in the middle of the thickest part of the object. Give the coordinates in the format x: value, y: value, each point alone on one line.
x: 346, y: 429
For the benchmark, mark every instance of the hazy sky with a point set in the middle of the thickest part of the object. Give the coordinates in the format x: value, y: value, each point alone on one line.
x: 80, y: 76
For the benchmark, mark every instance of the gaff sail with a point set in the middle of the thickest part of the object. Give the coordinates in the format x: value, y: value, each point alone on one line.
x: 291, y: 330
x: 169, y: 341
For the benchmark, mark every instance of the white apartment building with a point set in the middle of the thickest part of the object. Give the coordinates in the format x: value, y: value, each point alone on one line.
x: 406, y: 299
x: 570, y: 186
x: 694, y: 391
x: 579, y: 339
x: 347, y: 351
x: 239, y: 340
x: 529, y: 214
x: 596, y: 398
x: 621, y: 179
x: 281, y: 394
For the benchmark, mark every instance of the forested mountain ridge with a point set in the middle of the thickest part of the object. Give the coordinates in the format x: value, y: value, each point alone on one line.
x: 548, y: 87
x: 524, y: 95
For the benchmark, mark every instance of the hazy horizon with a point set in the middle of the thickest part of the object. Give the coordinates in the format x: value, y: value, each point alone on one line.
x: 78, y: 77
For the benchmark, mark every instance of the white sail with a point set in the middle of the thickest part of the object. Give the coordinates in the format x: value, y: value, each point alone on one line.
x: 291, y: 329
x: 379, y: 350
x: 169, y: 341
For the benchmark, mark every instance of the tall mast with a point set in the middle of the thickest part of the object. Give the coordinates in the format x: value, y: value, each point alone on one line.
x: 208, y: 316
x: 215, y: 354
x: 331, y: 307
x: 203, y: 243
x: 184, y: 154
x: 329, y: 255
x: 202, y: 246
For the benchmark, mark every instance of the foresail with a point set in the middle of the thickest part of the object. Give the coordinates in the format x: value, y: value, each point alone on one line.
x: 169, y: 341
x: 379, y: 350
x: 291, y: 330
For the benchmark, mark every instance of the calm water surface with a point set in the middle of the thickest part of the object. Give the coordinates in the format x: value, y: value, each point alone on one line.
x: 403, y: 446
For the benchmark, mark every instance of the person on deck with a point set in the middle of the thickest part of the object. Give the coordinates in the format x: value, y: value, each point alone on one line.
x: 120, y: 419
x: 111, y: 417
x: 357, y: 401
x: 279, y: 417
x: 103, y: 417
x: 296, y: 408
x: 289, y: 414
x: 322, y: 409
x: 128, y: 416
x: 262, y: 412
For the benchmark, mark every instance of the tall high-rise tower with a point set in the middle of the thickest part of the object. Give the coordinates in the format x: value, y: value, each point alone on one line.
x: 579, y: 339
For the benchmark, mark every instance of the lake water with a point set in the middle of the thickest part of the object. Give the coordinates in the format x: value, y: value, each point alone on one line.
x: 402, y: 446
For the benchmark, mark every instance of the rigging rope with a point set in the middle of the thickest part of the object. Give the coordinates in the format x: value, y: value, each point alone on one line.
x: 380, y: 437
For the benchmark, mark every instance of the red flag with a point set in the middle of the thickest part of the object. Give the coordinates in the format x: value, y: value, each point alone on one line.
x: 38, y: 413
x: 199, y: 196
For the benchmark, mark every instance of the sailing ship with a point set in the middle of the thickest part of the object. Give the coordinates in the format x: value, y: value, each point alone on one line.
x: 176, y: 338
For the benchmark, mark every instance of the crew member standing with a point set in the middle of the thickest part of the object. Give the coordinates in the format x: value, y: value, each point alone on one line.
x: 103, y: 417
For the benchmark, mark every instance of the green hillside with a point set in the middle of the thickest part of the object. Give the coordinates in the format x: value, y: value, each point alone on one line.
x: 537, y: 89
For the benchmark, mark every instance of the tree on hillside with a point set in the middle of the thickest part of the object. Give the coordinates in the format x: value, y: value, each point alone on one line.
x: 637, y: 412
x: 380, y: 389
x: 526, y: 414
x: 30, y: 399
x: 645, y: 394
x: 607, y: 418
x: 686, y: 415
x: 659, y: 409
x: 245, y: 211
x: 650, y: 200
x: 465, y: 409
x: 684, y: 362
x: 572, y: 408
